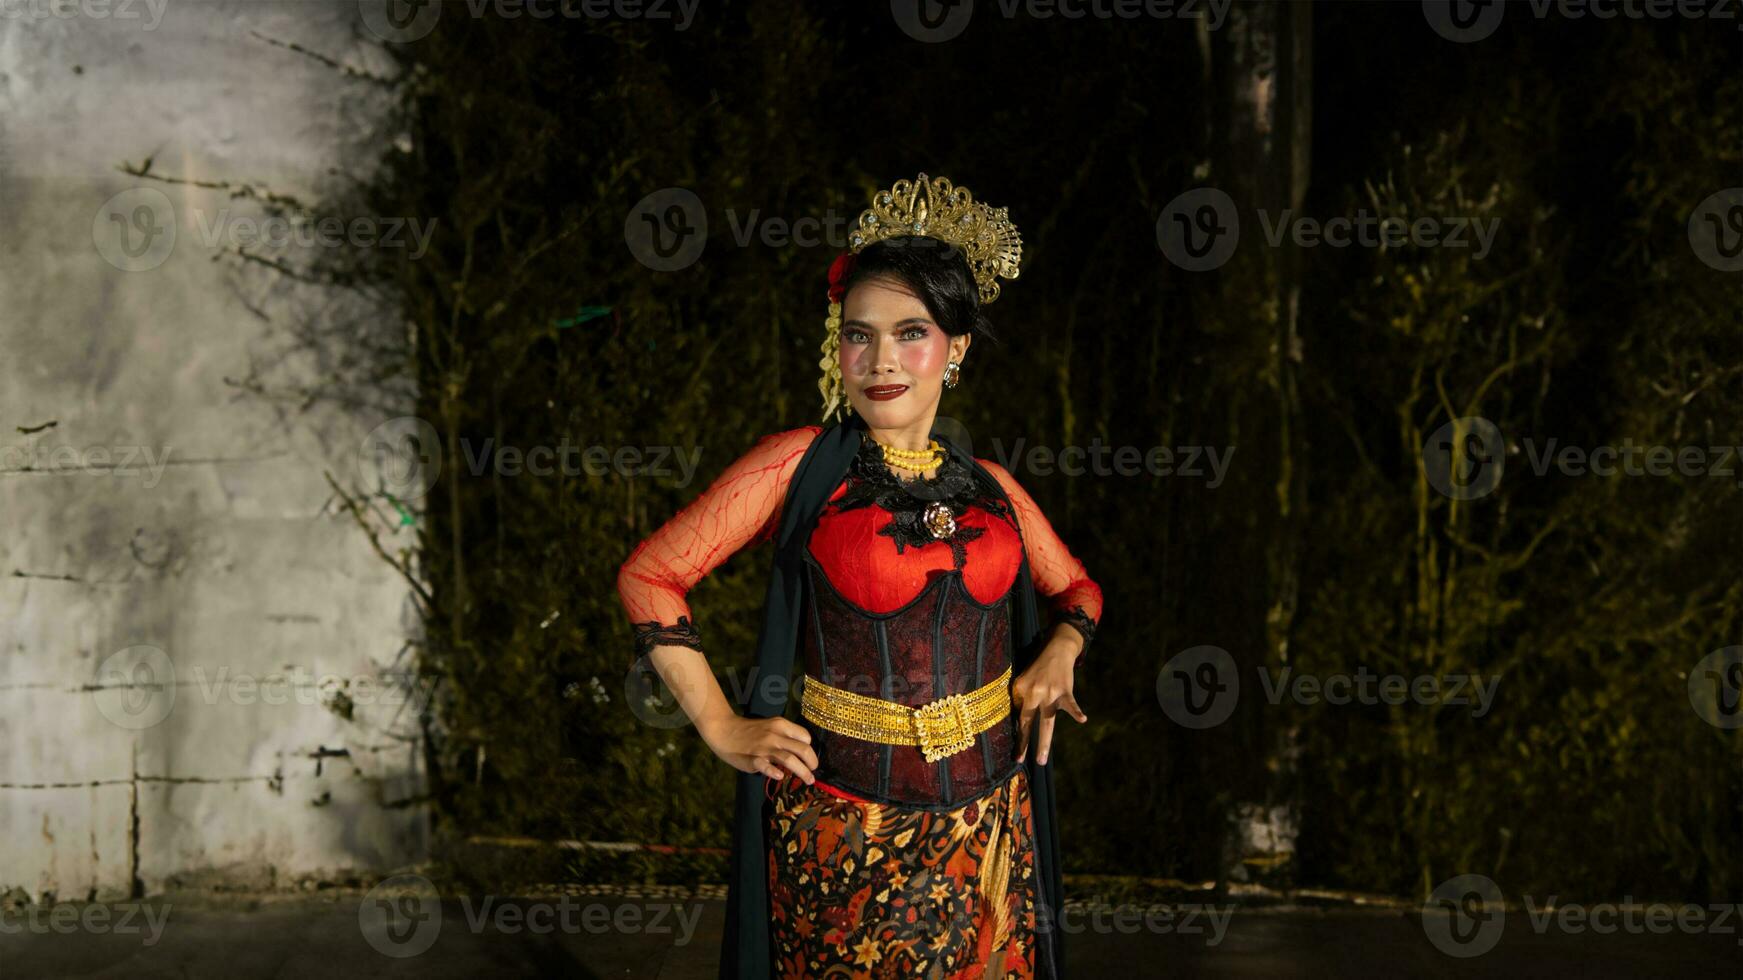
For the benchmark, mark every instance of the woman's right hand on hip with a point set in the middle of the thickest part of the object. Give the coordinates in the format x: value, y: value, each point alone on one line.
x: 774, y: 747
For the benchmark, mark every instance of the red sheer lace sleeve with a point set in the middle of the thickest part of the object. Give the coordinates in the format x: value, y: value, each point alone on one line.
x: 741, y: 507
x: 1073, y: 595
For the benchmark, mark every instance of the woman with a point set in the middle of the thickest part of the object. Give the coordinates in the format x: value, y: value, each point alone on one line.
x: 899, y: 826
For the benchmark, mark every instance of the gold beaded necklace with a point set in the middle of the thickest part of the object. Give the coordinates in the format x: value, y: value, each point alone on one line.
x: 913, y: 460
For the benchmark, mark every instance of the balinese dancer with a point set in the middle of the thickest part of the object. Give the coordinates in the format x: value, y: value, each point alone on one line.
x: 903, y: 824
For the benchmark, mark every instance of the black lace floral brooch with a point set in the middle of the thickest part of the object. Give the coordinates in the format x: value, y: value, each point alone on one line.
x: 921, y: 510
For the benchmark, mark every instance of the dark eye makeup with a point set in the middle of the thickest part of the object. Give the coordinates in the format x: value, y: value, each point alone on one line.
x: 856, y: 335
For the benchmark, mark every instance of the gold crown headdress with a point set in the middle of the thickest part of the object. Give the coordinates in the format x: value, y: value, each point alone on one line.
x: 934, y: 208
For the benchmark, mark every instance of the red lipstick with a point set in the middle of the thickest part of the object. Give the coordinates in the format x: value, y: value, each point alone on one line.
x: 884, y: 393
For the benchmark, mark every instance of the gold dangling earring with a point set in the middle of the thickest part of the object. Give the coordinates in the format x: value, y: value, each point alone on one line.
x: 952, y: 373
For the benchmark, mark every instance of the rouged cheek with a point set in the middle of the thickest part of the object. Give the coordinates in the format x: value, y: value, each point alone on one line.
x: 927, y: 358
x: 855, y: 359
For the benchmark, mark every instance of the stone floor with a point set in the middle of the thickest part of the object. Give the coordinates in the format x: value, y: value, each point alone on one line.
x: 338, y: 934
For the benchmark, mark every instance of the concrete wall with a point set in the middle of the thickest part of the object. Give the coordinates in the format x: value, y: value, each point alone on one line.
x: 172, y: 560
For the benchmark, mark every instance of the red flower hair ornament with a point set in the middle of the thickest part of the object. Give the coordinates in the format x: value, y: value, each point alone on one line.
x: 835, y: 403
x: 839, y: 270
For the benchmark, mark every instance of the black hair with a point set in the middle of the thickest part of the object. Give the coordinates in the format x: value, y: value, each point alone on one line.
x: 934, y: 271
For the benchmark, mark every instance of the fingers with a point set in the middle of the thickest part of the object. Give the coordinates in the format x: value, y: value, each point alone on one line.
x: 794, y: 738
x: 1025, y: 720
x: 797, y: 766
x: 803, y: 750
x: 779, y: 748
x: 1044, y: 739
x: 1043, y: 711
x: 781, y: 764
x: 791, y: 730
x: 1068, y: 704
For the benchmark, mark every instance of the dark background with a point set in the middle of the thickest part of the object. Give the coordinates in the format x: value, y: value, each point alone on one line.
x: 1592, y: 320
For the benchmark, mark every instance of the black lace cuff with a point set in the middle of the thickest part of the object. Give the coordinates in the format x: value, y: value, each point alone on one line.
x: 1079, y: 620
x: 653, y: 633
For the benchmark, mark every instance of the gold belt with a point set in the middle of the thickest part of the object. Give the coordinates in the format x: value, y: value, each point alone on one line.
x: 939, y: 728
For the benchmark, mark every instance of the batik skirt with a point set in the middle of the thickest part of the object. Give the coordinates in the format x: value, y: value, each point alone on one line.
x: 864, y: 889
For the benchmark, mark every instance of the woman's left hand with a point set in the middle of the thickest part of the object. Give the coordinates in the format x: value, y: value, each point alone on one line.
x: 1043, y: 690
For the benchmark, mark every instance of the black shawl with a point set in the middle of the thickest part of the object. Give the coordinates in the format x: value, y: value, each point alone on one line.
x: 745, y: 952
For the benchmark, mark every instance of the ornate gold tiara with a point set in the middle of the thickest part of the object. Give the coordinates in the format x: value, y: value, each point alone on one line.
x: 935, y: 208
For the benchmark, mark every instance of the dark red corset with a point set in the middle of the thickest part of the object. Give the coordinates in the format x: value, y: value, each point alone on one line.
x: 940, y: 642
